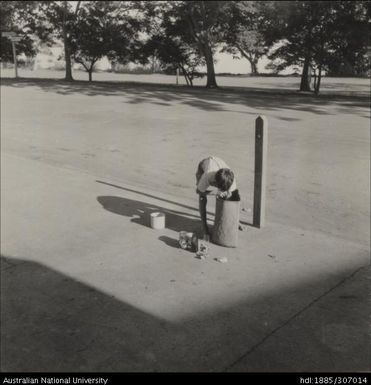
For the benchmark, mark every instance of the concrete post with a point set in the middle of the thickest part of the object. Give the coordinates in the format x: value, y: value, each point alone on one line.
x: 225, y: 230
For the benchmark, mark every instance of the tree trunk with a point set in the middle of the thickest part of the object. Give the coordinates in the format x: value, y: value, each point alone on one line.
x: 67, y: 51
x: 204, y: 46
x: 68, y: 62
x: 185, y: 74
x: 253, y: 59
x: 188, y: 78
x: 254, y: 67
x: 90, y: 75
x: 211, y: 80
x: 305, y: 81
x: 314, y: 79
x: 316, y: 90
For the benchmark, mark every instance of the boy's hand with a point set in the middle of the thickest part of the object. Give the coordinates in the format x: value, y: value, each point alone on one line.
x: 224, y: 194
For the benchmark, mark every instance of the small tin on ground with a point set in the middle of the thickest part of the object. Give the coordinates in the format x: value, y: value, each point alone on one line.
x: 157, y: 220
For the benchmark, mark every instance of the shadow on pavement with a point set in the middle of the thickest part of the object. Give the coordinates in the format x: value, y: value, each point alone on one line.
x: 140, y: 213
x: 172, y: 242
x: 220, y: 99
x: 51, y: 322
x: 243, y: 222
x: 149, y: 195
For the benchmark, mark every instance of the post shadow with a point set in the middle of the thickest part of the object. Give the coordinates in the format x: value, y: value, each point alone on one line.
x: 169, y: 201
x: 150, y: 196
x: 139, y: 212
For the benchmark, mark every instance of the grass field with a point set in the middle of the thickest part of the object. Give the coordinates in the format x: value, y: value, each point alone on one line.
x: 153, y: 135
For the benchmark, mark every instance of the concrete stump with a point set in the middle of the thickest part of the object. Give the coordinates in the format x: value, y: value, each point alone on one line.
x: 227, y: 215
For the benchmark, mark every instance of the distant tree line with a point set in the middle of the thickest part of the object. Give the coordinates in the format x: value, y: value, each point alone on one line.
x: 317, y: 36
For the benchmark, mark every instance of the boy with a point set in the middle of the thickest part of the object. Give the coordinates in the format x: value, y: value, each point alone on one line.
x: 214, y: 172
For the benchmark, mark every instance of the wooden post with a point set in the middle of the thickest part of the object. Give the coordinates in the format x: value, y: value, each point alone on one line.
x: 261, y: 146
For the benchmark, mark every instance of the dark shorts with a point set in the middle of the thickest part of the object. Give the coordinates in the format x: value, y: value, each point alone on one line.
x: 235, y: 196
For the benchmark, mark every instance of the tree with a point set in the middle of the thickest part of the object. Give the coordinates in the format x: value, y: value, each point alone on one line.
x: 14, y: 17
x: 244, y: 37
x: 197, y: 25
x: 174, y: 54
x: 351, y: 56
x: 249, y: 44
x: 52, y: 21
x: 296, y: 37
x: 65, y: 21
x: 313, y: 33
x: 67, y: 17
x: 102, y: 28
x: 202, y: 20
x: 168, y: 42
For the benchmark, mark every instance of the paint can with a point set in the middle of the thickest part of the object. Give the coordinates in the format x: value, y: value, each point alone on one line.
x: 183, y: 240
x: 157, y: 220
x: 187, y: 240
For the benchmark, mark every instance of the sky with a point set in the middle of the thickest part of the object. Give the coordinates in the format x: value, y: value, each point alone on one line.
x: 226, y: 63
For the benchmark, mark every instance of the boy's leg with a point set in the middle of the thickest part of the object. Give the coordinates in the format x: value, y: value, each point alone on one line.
x: 202, y: 201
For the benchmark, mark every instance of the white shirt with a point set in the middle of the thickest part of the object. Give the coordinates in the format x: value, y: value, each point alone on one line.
x: 211, y: 166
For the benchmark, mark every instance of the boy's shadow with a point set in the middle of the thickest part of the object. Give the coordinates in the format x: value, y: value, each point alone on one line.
x: 140, y: 214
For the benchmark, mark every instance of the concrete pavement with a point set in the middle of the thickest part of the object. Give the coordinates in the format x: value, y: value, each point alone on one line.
x: 87, y: 285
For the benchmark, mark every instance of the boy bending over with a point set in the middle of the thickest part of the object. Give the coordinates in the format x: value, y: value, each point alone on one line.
x: 214, y: 172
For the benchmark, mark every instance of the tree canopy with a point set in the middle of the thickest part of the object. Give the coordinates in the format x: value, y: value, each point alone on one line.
x: 245, y: 36
x: 113, y: 37
x: 15, y: 16
x: 318, y: 36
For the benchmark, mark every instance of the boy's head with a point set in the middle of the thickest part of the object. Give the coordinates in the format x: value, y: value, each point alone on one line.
x: 224, y: 179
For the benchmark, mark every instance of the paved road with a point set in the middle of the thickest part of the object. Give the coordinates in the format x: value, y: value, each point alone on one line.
x: 153, y: 137
x: 87, y: 285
